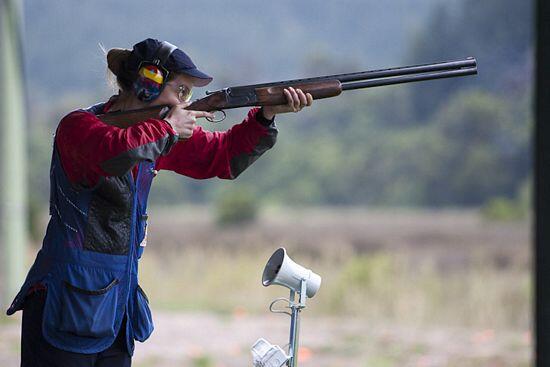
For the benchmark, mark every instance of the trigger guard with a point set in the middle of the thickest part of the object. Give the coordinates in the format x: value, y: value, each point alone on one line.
x: 214, y: 120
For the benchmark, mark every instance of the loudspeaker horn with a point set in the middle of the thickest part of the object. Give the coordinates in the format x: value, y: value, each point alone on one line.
x: 281, y: 269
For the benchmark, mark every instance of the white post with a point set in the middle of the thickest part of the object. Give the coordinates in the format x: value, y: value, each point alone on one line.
x: 13, y: 184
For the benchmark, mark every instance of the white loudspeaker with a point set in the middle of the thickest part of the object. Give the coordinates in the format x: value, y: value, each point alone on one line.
x: 280, y: 269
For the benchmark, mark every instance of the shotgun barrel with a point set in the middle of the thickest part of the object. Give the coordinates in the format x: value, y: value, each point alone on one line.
x: 408, y: 78
x: 469, y: 64
x: 266, y: 94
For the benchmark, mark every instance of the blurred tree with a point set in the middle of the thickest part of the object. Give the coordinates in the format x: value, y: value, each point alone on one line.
x: 484, y: 153
x: 497, y: 32
x: 236, y: 206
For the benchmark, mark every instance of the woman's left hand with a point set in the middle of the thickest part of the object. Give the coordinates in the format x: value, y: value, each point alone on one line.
x: 296, y: 100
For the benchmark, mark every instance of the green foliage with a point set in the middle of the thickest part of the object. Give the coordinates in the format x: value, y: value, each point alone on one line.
x: 170, y: 189
x: 202, y: 361
x: 366, y: 271
x: 502, y: 209
x: 366, y: 275
x: 34, y: 213
x: 236, y: 206
x: 524, y: 196
x: 497, y: 32
x: 484, y: 152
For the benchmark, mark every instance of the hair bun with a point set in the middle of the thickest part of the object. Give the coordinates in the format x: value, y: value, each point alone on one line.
x: 115, y: 59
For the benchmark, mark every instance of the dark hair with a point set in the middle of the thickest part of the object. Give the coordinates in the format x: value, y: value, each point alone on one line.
x: 117, y: 62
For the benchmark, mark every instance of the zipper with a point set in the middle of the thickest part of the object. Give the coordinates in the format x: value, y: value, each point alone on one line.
x: 132, y: 250
x: 134, y: 218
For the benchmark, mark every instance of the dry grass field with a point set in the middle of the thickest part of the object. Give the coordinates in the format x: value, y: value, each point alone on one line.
x: 400, y: 288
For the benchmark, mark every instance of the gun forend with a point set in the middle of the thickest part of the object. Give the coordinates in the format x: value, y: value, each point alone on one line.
x: 274, y: 95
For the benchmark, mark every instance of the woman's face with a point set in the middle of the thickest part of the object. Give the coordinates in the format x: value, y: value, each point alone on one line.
x: 175, y: 91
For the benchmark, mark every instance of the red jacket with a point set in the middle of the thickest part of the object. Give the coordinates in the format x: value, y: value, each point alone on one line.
x: 90, y: 149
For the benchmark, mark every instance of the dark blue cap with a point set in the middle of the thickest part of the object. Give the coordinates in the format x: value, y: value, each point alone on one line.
x: 177, y: 62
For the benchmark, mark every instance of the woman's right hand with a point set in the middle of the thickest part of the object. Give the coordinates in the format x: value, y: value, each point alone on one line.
x: 183, y: 121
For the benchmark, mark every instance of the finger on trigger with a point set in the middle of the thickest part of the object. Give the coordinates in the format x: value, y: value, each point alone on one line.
x: 199, y: 114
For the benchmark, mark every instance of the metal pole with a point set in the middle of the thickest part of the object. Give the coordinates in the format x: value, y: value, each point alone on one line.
x: 294, y: 333
x: 13, y: 186
x: 295, y: 323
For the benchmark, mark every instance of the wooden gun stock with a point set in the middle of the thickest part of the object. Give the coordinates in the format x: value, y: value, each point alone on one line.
x: 124, y: 119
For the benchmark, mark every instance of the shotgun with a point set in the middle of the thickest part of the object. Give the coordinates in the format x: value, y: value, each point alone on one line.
x: 266, y: 94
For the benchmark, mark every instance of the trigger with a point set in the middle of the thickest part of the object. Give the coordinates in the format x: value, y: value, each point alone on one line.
x: 163, y: 112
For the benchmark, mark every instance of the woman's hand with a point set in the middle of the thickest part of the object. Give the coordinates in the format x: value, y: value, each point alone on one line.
x: 296, y: 100
x: 183, y: 121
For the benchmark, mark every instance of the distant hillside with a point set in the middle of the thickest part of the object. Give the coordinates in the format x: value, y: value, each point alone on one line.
x: 237, y: 41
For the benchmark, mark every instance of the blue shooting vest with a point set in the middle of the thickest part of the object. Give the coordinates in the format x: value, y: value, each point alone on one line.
x: 89, y: 261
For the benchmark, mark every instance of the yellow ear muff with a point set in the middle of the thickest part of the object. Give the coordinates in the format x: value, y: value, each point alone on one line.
x: 153, y: 73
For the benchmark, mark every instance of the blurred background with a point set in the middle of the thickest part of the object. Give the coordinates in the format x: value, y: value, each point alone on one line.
x: 411, y: 201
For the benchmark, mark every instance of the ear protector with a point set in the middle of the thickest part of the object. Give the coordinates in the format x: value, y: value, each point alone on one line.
x: 152, y: 74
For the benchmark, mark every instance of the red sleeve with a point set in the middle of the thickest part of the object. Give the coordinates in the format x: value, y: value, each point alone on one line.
x: 223, y: 154
x: 89, y: 148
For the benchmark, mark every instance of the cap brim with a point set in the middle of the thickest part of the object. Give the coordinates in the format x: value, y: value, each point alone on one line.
x: 201, y: 79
